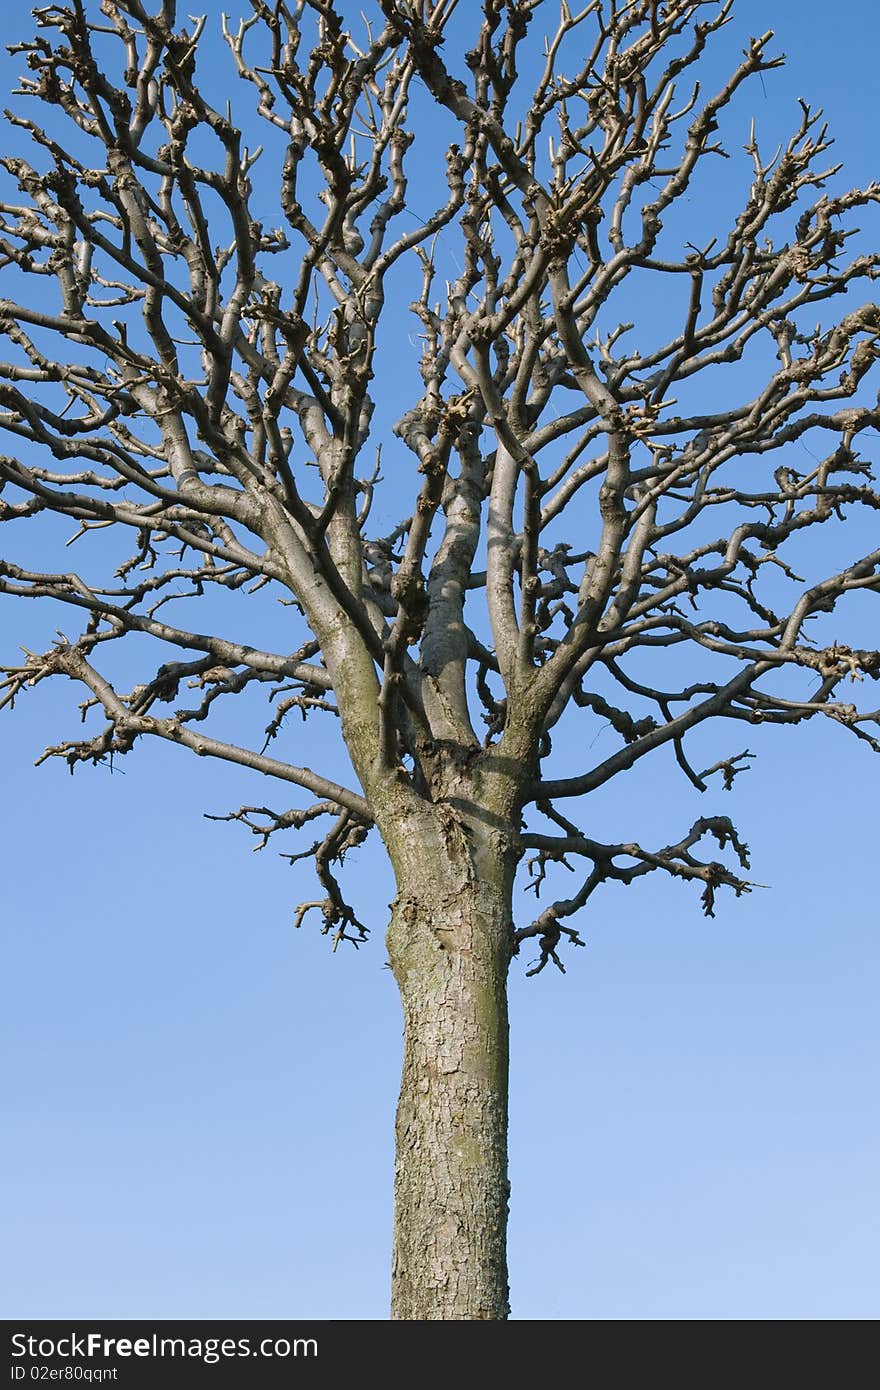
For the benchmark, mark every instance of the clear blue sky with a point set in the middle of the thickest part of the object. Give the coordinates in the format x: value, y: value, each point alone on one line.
x: 200, y: 1100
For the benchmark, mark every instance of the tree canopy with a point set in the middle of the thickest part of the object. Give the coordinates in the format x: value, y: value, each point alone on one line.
x: 571, y: 478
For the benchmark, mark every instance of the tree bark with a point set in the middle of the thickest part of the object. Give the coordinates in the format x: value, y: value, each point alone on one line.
x: 449, y: 944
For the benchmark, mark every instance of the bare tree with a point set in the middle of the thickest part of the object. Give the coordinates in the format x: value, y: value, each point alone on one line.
x: 595, y: 524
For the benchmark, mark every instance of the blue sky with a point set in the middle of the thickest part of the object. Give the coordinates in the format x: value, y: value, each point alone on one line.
x: 200, y: 1100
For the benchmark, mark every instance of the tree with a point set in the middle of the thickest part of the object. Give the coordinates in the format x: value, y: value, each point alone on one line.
x: 596, y: 525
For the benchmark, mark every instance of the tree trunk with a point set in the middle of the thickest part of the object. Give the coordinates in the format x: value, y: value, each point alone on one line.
x: 449, y: 944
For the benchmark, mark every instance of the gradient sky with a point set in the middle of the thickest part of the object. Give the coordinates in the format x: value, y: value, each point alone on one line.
x: 200, y: 1100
